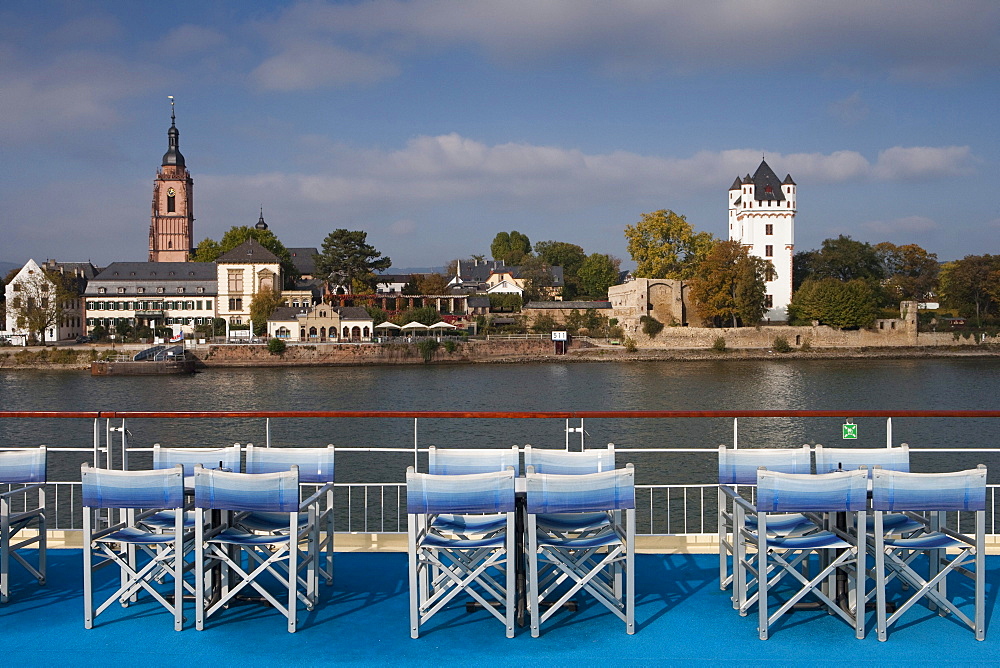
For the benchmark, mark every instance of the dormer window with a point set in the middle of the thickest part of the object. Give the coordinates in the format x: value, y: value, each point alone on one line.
x: 140, y: 290
x: 101, y: 291
x: 180, y: 291
x: 159, y: 290
x: 121, y: 291
x: 201, y: 290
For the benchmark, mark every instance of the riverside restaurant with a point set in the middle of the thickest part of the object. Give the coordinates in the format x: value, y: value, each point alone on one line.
x: 490, y: 551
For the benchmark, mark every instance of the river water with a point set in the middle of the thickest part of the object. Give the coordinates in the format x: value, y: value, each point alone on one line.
x: 696, y: 385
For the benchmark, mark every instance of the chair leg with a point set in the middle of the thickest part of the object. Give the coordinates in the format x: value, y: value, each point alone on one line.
x: 88, y: 570
x: 4, y: 549
x: 880, y: 604
x: 980, y: 615
x: 414, y: 584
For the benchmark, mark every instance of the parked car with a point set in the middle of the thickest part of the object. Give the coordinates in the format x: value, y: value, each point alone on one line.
x: 84, y: 339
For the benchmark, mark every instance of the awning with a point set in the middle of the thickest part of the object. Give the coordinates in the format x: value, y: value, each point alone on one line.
x: 443, y: 325
x: 387, y: 325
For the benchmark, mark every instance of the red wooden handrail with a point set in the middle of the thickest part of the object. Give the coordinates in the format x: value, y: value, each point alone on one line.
x: 847, y: 413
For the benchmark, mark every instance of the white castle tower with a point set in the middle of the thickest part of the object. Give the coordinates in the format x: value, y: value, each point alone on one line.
x: 762, y: 218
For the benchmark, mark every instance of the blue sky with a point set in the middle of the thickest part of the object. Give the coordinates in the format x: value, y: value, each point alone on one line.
x: 434, y: 124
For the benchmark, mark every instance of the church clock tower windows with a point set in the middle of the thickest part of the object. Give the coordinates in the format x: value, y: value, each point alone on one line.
x: 171, y: 228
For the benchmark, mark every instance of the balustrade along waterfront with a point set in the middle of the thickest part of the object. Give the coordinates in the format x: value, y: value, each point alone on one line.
x: 668, y: 418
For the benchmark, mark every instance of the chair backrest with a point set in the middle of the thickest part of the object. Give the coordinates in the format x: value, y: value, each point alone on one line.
x: 466, y: 493
x: 315, y: 464
x: 210, y: 458
x: 739, y: 466
x: 797, y: 492
x: 562, y: 462
x: 553, y: 493
x: 848, y: 459
x: 463, y: 461
x: 261, y: 492
x: 25, y: 466
x: 109, y: 488
x: 958, y: 490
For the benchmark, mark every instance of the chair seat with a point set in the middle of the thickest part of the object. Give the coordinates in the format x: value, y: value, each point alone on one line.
x: 133, y: 536
x: 928, y: 541
x: 432, y: 540
x: 573, y: 521
x: 788, y: 523
x: 164, y: 519
x: 237, y: 537
x: 603, y: 539
x: 813, y: 541
x: 894, y: 523
x: 267, y: 521
x: 465, y: 524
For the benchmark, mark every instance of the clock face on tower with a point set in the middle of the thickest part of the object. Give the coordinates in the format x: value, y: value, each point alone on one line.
x: 171, y: 192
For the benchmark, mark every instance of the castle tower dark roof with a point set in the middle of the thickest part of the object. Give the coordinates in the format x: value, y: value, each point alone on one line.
x: 788, y: 181
x: 261, y: 225
x: 766, y: 184
x: 249, y: 251
x: 173, y: 157
x: 736, y: 184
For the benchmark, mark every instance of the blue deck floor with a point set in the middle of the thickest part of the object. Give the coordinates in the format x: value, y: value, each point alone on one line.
x: 681, y: 615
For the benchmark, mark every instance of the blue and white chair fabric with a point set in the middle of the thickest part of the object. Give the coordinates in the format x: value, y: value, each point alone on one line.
x: 23, y: 472
x: 600, y: 563
x: 220, y: 550
x: 445, y: 563
x: 889, y: 459
x: 562, y: 462
x: 466, y: 461
x: 783, y: 557
x: 144, y: 558
x: 316, y: 471
x: 948, y: 551
x: 226, y: 458
x: 738, y: 468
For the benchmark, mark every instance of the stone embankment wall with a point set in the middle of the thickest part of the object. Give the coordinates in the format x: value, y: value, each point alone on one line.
x: 385, y: 353
x: 816, y: 337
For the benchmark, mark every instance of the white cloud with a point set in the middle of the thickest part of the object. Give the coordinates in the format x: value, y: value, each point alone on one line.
x: 450, y: 168
x: 922, y: 38
x: 191, y: 39
x: 312, y: 64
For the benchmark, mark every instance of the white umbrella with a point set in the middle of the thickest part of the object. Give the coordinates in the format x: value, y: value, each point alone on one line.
x: 414, y: 325
x: 387, y: 325
x: 443, y: 325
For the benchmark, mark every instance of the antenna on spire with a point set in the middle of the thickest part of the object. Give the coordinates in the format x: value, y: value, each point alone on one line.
x: 172, y: 117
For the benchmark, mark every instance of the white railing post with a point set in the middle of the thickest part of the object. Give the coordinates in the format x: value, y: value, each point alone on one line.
x: 267, y: 432
x: 736, y: 432
x: 888, y: 432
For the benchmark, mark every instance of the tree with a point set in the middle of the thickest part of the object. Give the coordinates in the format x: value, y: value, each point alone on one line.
x: 263, y: 304
x: 347, y: 256
x: 432, y: 284
x: 845, y: 259
x: 664, y: 245
x: 566, y: 255
x: 729, y: 285
x: 911, y: 272
x: 598, y: 273
x: 829, y: 301
x: 510, y: 248
x: 972, y: 286
x: 209, y: 250
x: 537, y: 278
x: 39, y: 301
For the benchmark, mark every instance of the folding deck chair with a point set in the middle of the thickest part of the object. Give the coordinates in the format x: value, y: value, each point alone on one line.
x: 144, y: 558
x: 445, y: 560
x: 316, y: 469
x: 601, y: 562
x: 781, y: 559
x: 935, y: 494
x: 23, y: 470
x: 229, y: 549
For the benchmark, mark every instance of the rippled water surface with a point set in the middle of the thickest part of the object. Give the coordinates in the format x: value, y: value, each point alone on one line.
x: 709, y: 385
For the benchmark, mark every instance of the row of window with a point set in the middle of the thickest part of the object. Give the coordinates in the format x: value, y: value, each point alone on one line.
x: 196, y: 305
x: 104, y: 322
x: 160, y: 290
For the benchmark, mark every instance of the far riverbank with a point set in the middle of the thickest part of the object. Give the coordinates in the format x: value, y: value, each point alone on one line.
x: 469, y: 352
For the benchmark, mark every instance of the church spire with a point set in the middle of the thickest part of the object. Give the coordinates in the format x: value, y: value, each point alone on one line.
x: 173, y: 157
x: 261, y: 225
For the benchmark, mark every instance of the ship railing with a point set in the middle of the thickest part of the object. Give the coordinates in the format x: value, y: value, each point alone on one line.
x: 664, y: 508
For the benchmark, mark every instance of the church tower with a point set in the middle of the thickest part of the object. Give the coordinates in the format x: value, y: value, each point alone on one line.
x: 762, y: 218
x: 171, y: 230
